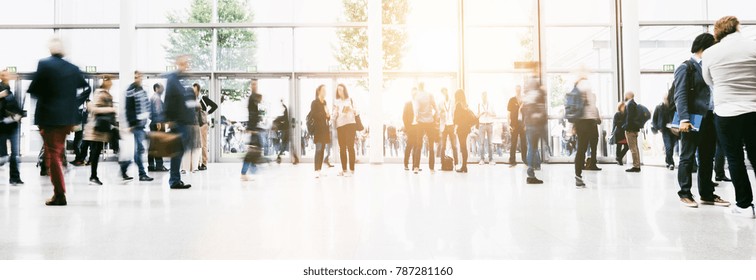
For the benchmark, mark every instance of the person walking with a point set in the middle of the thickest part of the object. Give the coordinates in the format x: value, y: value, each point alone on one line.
x: 254, y: 152
x: 207, y: 107
x: 632, y: 128
x: 618, y: 134
x: 180, y: 112
x: 55, y: 85
x: 192, y: 156
x: 344, y: 115
x: 408, y: 117
x: 585, y: 122
x: 663, y: 115
x: 10, y: 118
x: 98, y: 131
x: 535, y: 118
x: 319, y: 118
x: 80, y: 146
x: 728, y: 68
x: 464, y: 120
x: 516, y: 129
x: 137, y: 113
x: 157, y: 124
x: 425, y: 112
x: 447, y: 128
x: 486, y: 115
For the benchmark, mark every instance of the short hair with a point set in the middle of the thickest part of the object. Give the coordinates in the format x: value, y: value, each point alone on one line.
x: 725, y: 26
x: 702, y: 42
x: 56, y: 46
x: 156, y: 86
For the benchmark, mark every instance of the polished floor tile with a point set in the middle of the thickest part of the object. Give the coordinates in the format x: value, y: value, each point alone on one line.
x: 383, y: 212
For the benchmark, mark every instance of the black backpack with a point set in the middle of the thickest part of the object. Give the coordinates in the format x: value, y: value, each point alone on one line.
x: 310, y: 122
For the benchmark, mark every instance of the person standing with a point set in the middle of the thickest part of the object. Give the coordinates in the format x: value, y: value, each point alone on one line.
x: 157, y: 124
x: 618, y: 134
x: 192, y: 155
x: 319, y: 116
x: 98, y: 129
x: 249, y: 164
x: 535, y: 118
x: 664, y: 114
x: 55, y: 85
x: 486, y: 116
x: 693, y: 98
x: 137, y: 113
x: 10, y: 118
x: 728, y: 68
x: 179, y: 111
x: 464, y: 119
x: 344, y: 115
x: 284, y: 126
x: 207, y: 107
x: 632, y: 127
x: 447, y: 108
x: 585, y: 127
x: 425, y: 112
x: 516, y: 129
x: 408, y: 117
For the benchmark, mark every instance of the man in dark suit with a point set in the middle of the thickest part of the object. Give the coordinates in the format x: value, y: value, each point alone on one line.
x: 179, y: 111
x: 694, y: 97
x: 55, y: 85
x: 516, y: 128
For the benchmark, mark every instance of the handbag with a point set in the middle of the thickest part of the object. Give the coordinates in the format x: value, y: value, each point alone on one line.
x: 164, y: 144
x: 357, y: 119
x: 104, y: 122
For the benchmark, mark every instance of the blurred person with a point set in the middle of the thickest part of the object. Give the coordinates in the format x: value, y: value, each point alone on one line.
x: 464, y: 119
x: 535, y: 118
x: 632, y: 128
x: 664, y: 114
x: 284, y: 126
x: 344, y: 116
x: 486, y: 115
x: 585, y: 126
x: 254, y: 152
x: 693, y: 102
x: 618, y: 134
x: 180, y: 112
x: 728, y: 69
x: 99, y: 126
x: 516, y: 128
x: 55, y: 85
x: 447, y: 107
x: 408, y: 117
x: 392, y: 139
x: 207, y: 107
x: 138, y: 110
x: 80, y: 146
x: 319, y: 117
x: 425, y: 112
x: 157, y: 124
x: 10, y: 116
x: 192, y: 155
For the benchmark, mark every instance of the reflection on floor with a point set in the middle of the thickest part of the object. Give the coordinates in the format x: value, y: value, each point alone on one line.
x: 382, y: 212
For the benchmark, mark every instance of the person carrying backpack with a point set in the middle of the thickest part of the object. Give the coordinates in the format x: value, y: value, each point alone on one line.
x: 663, y: 114
x: 634, y: 121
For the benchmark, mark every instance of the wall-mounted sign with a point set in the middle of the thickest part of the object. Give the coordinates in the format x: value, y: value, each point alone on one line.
x: 11, y: 69
x: 90, y: 69
x: 668, y: 68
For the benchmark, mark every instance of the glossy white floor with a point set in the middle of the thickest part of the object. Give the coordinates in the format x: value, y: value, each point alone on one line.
x: 381, y: 213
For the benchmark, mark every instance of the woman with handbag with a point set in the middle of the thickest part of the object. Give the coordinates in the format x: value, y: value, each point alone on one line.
x: 618, y: 134
x: 345, y: 118
x: 99, y: 126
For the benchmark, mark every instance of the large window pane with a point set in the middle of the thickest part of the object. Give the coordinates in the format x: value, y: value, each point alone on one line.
x: 489, y: 49
x: 89, y: 11
x: 654, y: 88
x: 558, y: 84
x: 28, y: 12
x: 662, y: 45
x: 25, y: 56
x: 330, y: 49
x: 93, y: 47
x: 653, y: 10
x: 298, y: 11
x: 174, y: 11
x: 422, y: 12
x: 255, y: 50
x: 157, y: 48
x: 487, y: 12
x: 420, y: 49
x: 577, y: 11
x: 743, y: 9
x: 577, y: 47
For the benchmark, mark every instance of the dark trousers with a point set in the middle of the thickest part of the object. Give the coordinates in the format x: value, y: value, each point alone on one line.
x: 621, y: 151
x: 670, y: 140
x: 534, y: 135
x: 719, y: 160
x: 410, y: 132
x: 346, y: 135
x: 187, y: 141
x: 734, y: 132
x: 424, y: 129
x: 13, y: 137
x: 448, y: 135
x: 702, y: 142
x: 587, y: 134
x: 95, y: 149
x: 319, y: 155
x: 153, y: 162
x: 81, y: 155
x: 54, y: 138
x: 518, y: 133
x: 462, y: 136
x: 78, y: 136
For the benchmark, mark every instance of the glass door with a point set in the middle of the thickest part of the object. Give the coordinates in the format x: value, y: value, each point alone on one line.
x: 234, y: 91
